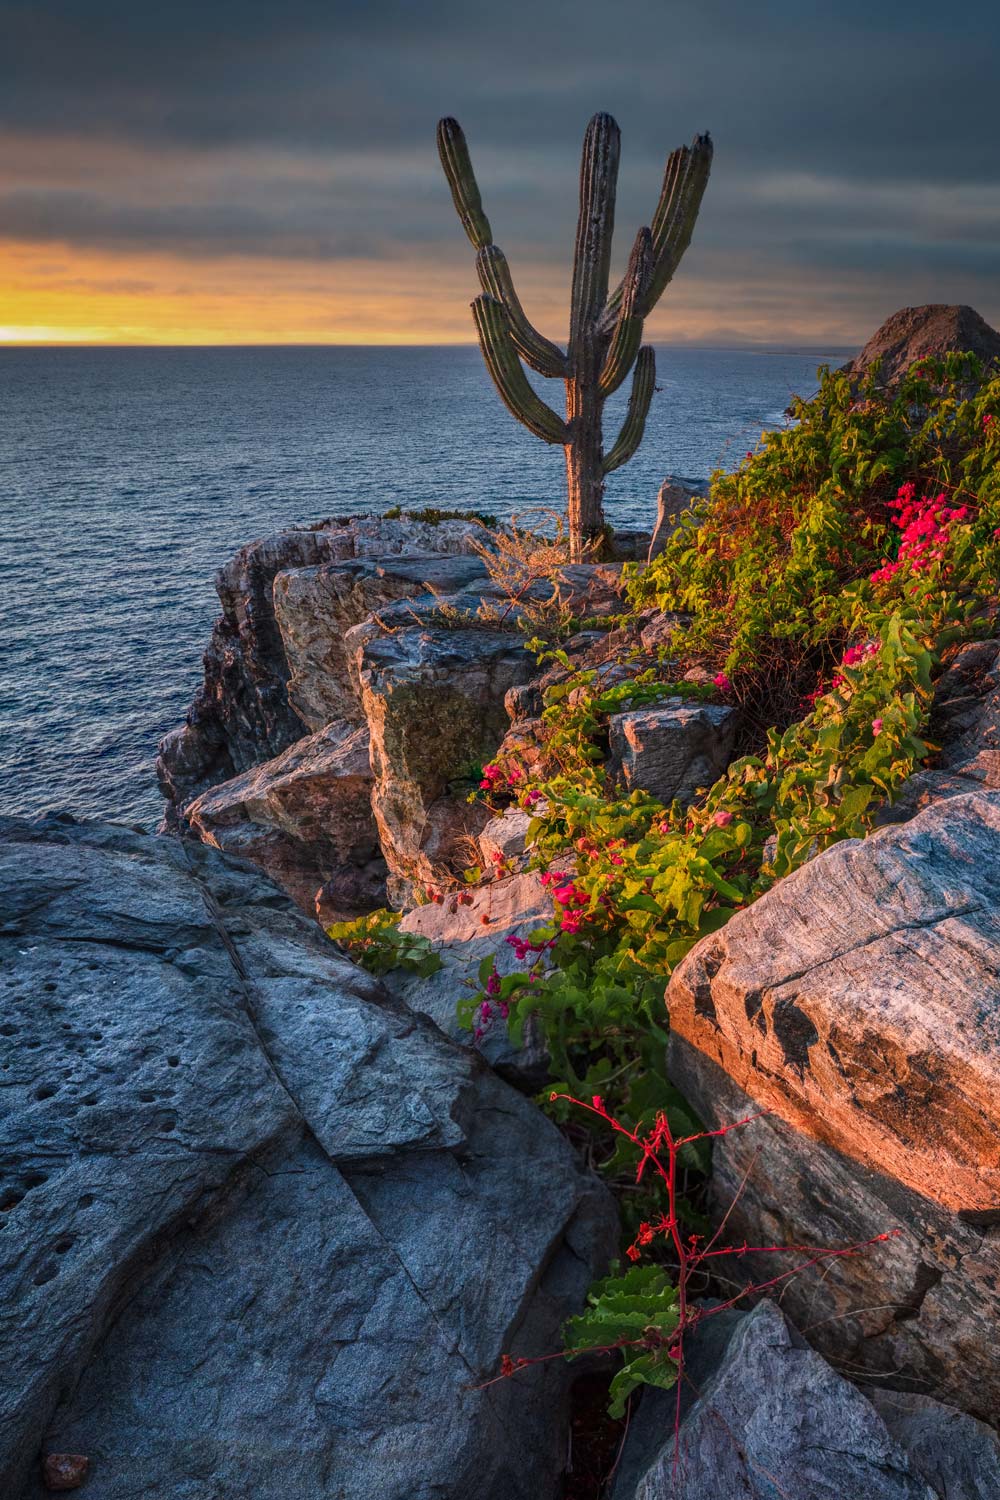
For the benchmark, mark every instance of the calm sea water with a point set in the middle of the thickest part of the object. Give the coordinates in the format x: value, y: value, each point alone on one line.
x: 127, y: 476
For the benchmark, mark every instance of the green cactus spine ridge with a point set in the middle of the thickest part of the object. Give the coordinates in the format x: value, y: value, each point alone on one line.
x: 457, y: 163
x: 605, y: 335
x: 634, y: 425
x: 673, y: 221
x: 627, y: 334
x: 595, y: 226
x: 495, y: 279
x: 500, y: 355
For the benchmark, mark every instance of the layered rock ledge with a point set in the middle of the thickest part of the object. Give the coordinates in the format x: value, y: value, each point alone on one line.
x: 350, y: 694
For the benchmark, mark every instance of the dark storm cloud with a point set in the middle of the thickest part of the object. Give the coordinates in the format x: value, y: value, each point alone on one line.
x: 858, y: 136
x: 904, y: 88
x: 191, y: 229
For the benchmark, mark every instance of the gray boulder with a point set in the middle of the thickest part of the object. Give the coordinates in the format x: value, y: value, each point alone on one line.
x: 305, y: 818
x: 241, y: 715
x: 957, y: 1456
x: 765, y: 1416
x: 913, y: 333
x: 316, y: 607
x: 674, y: 497
x: 858, y: 1004
x: 672, y: 751
x: 434, y: 701
x: 265, y: 1231
x: 965, y: 722
x: 504, y: 839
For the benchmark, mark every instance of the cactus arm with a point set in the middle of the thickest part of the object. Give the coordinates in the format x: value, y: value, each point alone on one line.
x: 674, y: 220
x: 595, y: 227
x: 684, y: 183
x: 508, y: 375
x: 643, y: 384
x: 495, y: 280
x: 457, y: 163
x: 627, y: 336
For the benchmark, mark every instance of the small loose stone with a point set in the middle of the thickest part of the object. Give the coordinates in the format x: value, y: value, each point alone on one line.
x: 64, y: 1471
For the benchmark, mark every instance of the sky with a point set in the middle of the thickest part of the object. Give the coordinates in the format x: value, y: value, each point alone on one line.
x: 258, y: 171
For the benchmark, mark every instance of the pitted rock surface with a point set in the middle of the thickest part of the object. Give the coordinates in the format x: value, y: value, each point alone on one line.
x: 264, y: 1228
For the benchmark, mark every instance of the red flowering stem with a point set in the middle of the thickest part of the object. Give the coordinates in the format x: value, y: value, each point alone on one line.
x: 706, y: 1135
x: 688, y: 1256
x: 853, y: 1249
x: 509, y: 1367
x: 817, y: 1258
x: 682, y: 1279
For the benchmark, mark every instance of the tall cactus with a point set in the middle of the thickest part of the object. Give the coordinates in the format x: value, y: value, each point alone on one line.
x: 605, y: 334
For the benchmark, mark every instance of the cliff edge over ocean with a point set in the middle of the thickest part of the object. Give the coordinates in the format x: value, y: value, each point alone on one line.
x: 275, y: 1221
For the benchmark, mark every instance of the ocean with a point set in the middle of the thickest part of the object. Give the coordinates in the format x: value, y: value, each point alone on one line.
x: 128, y: 475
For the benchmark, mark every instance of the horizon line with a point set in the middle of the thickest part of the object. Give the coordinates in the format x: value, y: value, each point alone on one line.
x: 756, y: 346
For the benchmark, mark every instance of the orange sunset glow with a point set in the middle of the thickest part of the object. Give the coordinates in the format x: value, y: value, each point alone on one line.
x: 263, y: 185
x: 59, y: 293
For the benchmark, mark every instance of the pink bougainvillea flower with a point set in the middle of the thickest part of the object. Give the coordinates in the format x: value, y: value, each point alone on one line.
x: 924, y: 533
x: 722, y: 682
x: 722, y: 819
x: 855, y: 656
x: 876, y: 726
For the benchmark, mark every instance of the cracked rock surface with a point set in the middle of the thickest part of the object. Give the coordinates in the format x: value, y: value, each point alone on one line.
x: 263, y: 1228
x: 859, y: 1003
x: 765, y: 1416
x: 463, y: 935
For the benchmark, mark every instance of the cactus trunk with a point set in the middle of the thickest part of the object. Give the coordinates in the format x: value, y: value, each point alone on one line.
x: 584, y: 464
x: 605, y: 332
x: 587, y: 345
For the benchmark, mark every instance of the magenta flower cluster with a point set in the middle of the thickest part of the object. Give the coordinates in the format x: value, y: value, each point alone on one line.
x: 495, y: 778
x: 569, y: 897
x: 924, y: 526
x: 491, y: 1006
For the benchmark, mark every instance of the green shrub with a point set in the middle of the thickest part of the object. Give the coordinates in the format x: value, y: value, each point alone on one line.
x: 376, y: 943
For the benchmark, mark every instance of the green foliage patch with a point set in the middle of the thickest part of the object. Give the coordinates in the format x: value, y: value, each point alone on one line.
x: 376, y: 943
x: 638, y: 1313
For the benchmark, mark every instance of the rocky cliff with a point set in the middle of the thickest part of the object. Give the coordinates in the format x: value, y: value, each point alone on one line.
x: 350, y: 693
